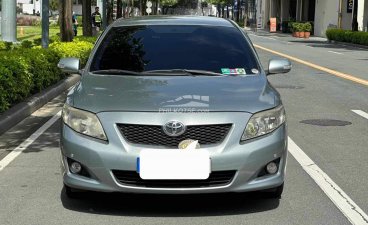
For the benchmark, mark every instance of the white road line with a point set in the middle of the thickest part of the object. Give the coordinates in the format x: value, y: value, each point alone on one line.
x: 361, y: 113
x: 16, y: 152
x: 339, y: 53
x: 346, y: 205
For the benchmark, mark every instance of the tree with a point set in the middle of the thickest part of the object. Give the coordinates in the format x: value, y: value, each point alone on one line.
x: 54, y: 5
x: 166, y: 4
x: 109, y: 11
x: 87, y: 18
x: 119, y: 9
x: 66, y: 29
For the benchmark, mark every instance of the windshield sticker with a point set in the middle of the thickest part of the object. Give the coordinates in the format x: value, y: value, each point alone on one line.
x: 236, y: 71
x: 255, y: 71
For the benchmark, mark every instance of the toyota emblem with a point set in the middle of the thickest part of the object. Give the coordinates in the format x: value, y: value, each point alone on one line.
x: 174, y: 128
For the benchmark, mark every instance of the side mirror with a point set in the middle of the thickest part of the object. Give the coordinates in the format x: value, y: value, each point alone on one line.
x: 280, y: 65
x: 69, y: 65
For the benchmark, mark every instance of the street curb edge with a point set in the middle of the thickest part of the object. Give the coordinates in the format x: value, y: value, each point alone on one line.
x: 22, y: 110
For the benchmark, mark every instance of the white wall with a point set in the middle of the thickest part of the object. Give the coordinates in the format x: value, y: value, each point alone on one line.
x: 326, y: 15
x: 28, y: 8
x: 362, y: 15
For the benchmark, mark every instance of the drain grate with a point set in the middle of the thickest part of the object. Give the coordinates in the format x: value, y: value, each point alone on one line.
x: 326, y: 122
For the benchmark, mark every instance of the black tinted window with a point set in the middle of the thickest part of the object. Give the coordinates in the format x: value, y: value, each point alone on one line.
x: 158, y: 47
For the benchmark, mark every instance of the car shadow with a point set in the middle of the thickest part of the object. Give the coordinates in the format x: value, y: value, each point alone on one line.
x: 148, y: 205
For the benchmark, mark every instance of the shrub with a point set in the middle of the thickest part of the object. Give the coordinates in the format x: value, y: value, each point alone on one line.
x: 78, y: 49
x: 6, y: 46
x: 87, y: 39
x: 15, y: 79
x: 356, y: 37
x: 43, y: 67
x: 27, y: 44
x: 25, y: 70
x: 2, y: 46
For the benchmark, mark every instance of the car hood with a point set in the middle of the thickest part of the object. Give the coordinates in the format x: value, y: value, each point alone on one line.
x: 101, y: 93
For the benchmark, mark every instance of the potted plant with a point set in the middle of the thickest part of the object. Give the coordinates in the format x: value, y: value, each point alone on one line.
x: 301, y: 30
x: 296, y: 29
x: 307, y: 29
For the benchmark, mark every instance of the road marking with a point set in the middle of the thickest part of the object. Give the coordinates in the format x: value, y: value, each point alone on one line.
x: 24, y: 145
x: 339, y: 53
x: 361, y: 113
x: 324, y: 69
x: 345, y: 204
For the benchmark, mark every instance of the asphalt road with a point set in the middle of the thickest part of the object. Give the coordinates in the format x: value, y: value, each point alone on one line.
x: 31, y: 186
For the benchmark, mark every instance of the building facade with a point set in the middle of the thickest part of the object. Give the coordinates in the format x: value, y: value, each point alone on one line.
x: 345, y: 14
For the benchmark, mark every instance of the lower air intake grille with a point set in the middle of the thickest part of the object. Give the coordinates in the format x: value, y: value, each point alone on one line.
x: 132, y: 178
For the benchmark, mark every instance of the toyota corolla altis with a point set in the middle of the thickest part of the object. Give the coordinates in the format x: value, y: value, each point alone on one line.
x: 173, y: 105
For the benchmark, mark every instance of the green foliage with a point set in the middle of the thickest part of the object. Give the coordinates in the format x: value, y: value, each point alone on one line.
x: 6, y: 46
x: 307, y: 27
x: 78, y: 49
x: 84, y: 38
x: 26, y: 69
x: 15, y: 79
x: 2, y: 46
x: 27, y: 44
x: 356, y: 37
x: 168, y: 2
x: 54, y: 4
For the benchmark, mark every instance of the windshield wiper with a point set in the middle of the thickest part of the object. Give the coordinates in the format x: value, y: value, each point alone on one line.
x: 186, y: 71
x: 116, y: 72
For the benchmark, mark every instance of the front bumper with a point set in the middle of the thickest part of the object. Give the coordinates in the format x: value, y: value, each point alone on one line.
x: 100, y: 158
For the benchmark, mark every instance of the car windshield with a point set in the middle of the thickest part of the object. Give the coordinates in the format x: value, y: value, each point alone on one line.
x: 173, y: 47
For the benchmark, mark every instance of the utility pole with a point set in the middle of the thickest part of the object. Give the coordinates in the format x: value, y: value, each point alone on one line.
x: 45, y: 23
x: 9, y: 21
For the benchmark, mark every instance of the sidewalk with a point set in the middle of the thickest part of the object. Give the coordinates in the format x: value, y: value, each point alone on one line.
x: 284, y: 36
x: 314, y: 41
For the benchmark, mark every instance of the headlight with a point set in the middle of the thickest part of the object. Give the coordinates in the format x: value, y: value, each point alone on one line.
x: 83, y: 122
x: 264, y: 122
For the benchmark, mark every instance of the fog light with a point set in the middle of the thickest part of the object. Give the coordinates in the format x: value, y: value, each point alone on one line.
x: 75, y: 167
x: 271, y: 168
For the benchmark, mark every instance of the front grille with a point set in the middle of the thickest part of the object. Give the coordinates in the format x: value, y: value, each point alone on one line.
x: 154, y: 135
x: 132, y: 178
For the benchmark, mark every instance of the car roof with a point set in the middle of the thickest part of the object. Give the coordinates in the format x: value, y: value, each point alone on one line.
x: 173, y: 20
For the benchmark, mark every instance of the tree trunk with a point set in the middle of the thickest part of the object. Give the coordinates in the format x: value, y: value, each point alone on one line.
x: 155, y: 9
x: 119, y: 9
x: 110, y: 6
x: 87, y: 19
x: 65, y: 12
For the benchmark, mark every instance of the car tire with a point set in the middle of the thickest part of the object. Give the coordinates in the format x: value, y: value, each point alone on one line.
x: 72, y: 192
x: 275, y: 193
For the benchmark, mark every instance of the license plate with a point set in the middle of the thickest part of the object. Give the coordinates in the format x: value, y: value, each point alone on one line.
x: 174, y: 164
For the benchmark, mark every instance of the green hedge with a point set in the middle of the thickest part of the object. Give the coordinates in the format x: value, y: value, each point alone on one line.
x: 356, y: 37
x: 26, y: 69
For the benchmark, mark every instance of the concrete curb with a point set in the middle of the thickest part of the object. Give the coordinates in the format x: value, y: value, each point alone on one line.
x: 348, y: 44
x: 17, y: 113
